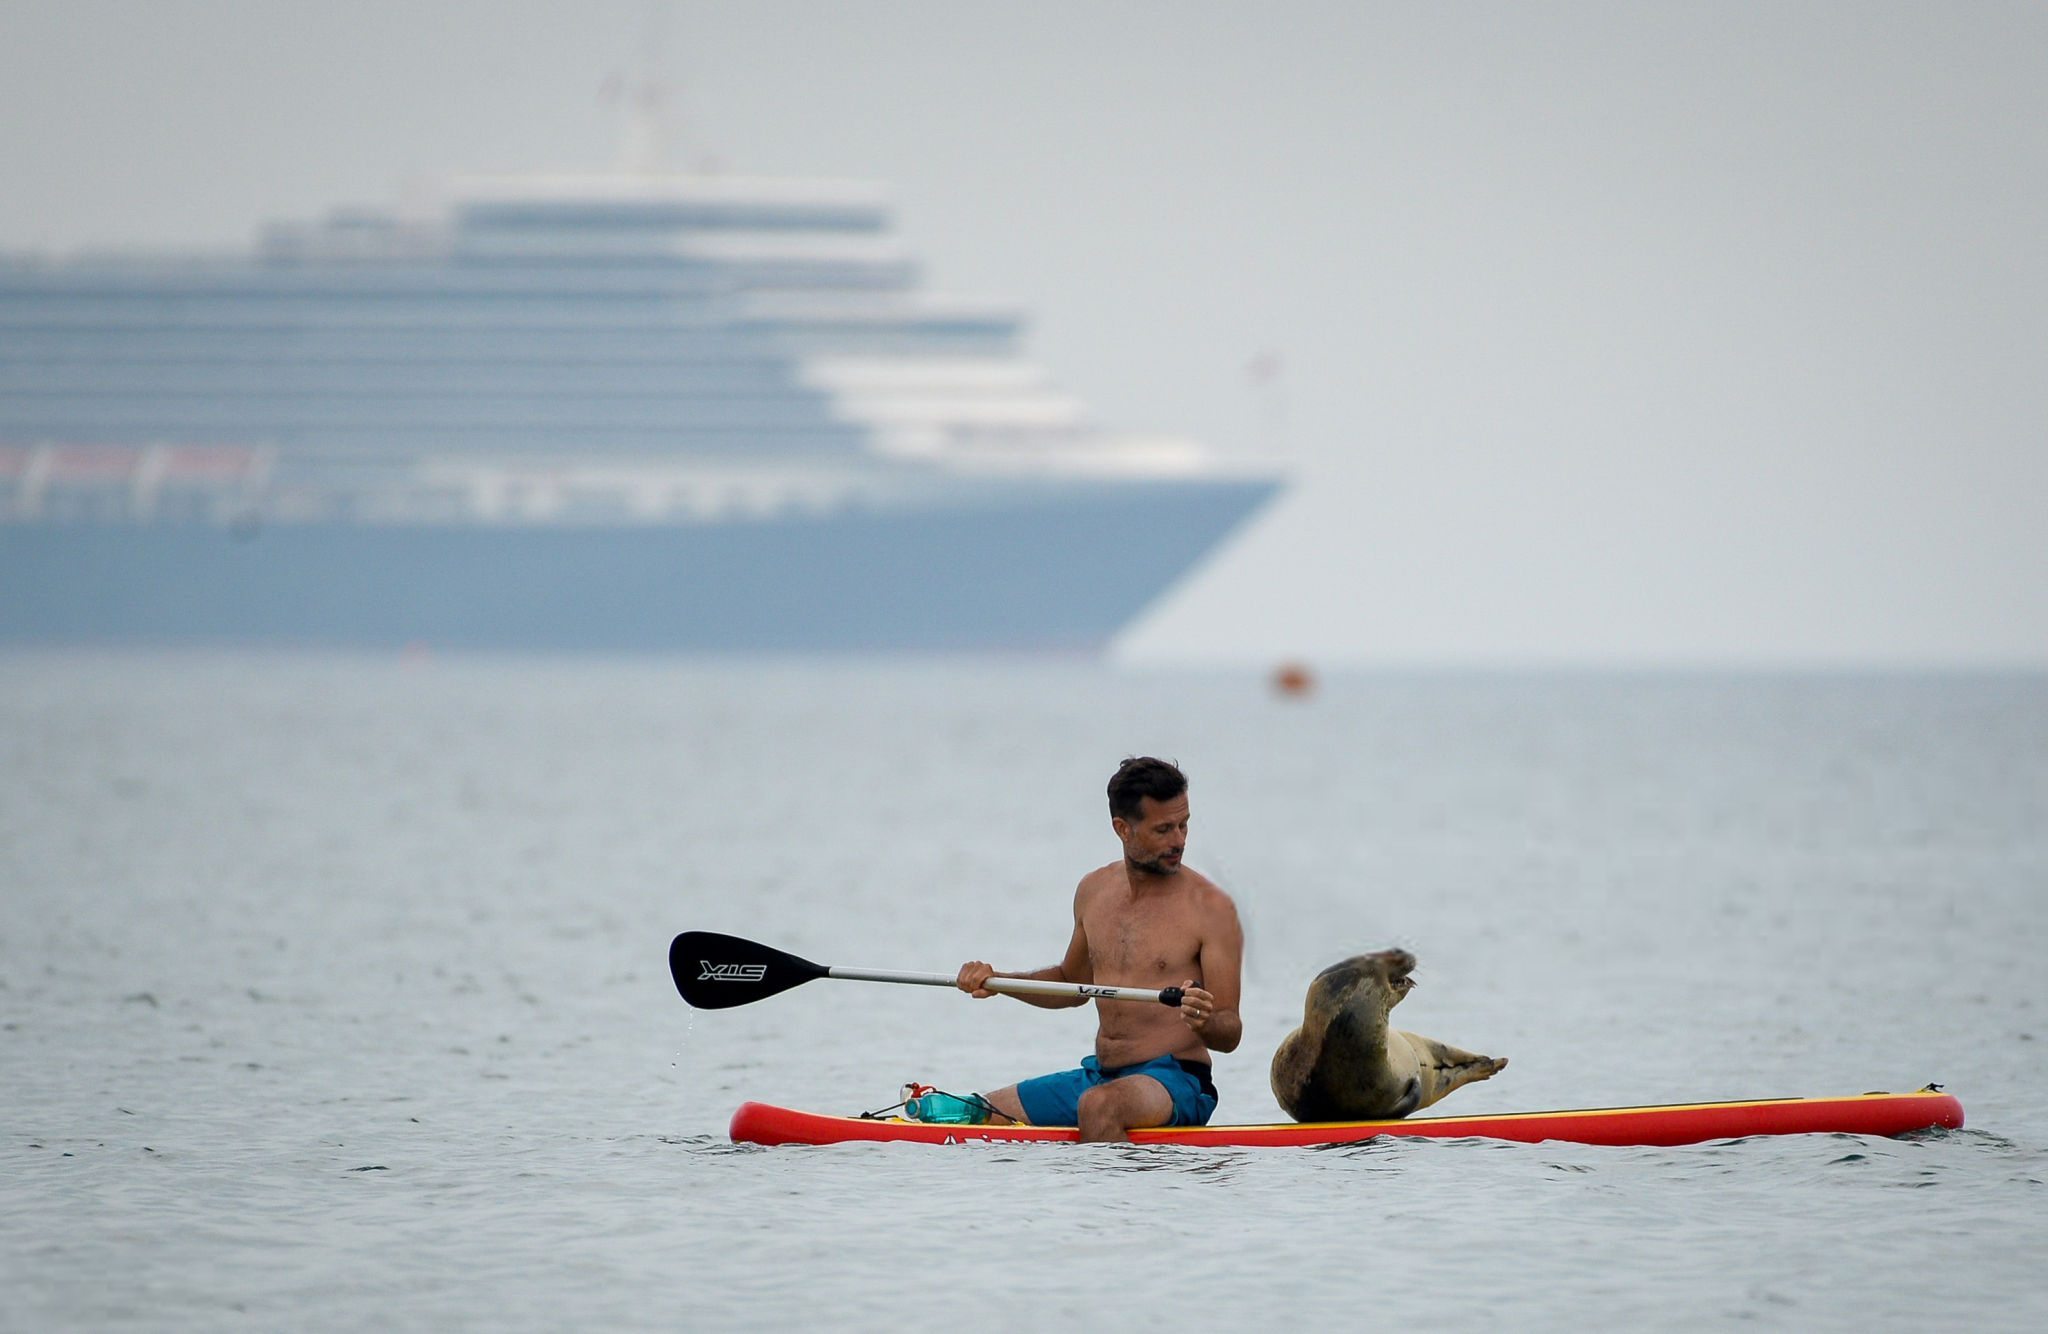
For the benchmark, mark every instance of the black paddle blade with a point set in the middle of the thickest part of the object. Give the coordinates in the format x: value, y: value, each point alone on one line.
x: 717, y: 972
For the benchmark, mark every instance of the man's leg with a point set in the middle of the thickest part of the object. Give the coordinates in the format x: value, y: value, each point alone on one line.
x: 1004, y: 1100
x: 1110, y: 1111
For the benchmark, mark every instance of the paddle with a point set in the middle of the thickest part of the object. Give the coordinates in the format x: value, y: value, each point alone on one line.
x: 716, y: 972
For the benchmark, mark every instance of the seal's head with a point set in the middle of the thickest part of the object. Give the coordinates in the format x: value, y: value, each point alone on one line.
x: 1362, y: 977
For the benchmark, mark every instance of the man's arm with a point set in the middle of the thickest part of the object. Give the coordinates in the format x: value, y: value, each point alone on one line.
x: 1211, y: 1009
x: 1076, y: 967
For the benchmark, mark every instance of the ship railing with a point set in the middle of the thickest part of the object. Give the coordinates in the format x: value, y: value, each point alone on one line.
x: 52, y: 480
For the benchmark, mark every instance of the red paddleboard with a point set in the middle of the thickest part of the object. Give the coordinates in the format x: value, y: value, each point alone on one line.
x: 1680, y: 1123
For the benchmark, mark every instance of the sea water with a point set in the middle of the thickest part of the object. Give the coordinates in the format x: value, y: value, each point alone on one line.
x: 333, y: 993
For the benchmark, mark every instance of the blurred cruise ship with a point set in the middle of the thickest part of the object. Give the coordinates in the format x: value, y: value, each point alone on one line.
x: 636, y: 411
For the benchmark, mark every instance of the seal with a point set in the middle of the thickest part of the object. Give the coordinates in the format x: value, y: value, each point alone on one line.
x: 1345, y: 1064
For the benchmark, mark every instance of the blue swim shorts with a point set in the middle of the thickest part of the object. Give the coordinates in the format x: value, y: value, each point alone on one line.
x: 1055, y: 1100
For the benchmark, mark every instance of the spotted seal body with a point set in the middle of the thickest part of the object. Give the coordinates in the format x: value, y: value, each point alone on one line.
x: 1345, y: 1064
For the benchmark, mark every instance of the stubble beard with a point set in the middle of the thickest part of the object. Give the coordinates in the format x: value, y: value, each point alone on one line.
x: 1153, y: 867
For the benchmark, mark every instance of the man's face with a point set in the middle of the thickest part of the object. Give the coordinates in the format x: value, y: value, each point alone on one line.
x: 1156, y: 839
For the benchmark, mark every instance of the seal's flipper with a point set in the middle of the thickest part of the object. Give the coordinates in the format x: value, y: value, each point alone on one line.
x: 1445, y: 1069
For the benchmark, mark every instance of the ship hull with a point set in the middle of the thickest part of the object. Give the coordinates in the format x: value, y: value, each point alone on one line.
x: 1057, y: 567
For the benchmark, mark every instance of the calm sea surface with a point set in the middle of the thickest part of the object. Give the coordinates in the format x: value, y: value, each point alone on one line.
x: 333, y: 995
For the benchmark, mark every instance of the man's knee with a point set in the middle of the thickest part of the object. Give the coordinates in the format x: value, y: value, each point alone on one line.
x: 1125, y: 1104
x: 1099, y: 1114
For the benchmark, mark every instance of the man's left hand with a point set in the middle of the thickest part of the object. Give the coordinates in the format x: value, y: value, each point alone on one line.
x: 1196, y: 1005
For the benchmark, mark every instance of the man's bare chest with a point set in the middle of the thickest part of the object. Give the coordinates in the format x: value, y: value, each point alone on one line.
x: 1141, y: 940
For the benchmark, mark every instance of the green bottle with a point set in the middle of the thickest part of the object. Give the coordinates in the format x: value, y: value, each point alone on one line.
x: 937, y: 1108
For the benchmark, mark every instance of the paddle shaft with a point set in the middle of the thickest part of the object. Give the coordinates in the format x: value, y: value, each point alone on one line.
x: 1014, y: 986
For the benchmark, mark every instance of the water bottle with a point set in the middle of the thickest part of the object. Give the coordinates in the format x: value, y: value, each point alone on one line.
x: 935, y: 1108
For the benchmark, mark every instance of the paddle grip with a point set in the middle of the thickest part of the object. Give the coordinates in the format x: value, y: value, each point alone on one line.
x: 1170, y: 997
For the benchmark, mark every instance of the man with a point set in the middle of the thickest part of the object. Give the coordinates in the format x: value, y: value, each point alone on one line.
x: 1143, y: 921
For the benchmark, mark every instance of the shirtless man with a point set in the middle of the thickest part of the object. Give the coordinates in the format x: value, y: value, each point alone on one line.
x: 1145, y: 921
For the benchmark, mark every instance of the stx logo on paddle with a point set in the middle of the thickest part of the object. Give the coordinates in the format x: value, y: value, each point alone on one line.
x: 731, y: 972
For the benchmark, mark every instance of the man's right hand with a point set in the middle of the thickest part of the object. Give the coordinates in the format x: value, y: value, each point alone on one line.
x: 974, y: 978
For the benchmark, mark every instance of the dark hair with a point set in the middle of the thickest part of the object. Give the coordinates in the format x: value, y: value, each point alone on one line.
x: 1139, y: 777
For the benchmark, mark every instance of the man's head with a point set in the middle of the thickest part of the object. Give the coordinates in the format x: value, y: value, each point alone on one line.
x: 1148, y: 808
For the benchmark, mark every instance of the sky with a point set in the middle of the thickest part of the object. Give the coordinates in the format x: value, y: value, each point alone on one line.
x: 1695, y: 336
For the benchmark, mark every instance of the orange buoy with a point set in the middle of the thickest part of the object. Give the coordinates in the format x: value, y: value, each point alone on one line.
x: 1293, y: 680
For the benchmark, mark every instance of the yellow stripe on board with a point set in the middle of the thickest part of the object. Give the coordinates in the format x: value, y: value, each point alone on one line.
x: 1481, y: 1117
x: 1531, y: 1116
